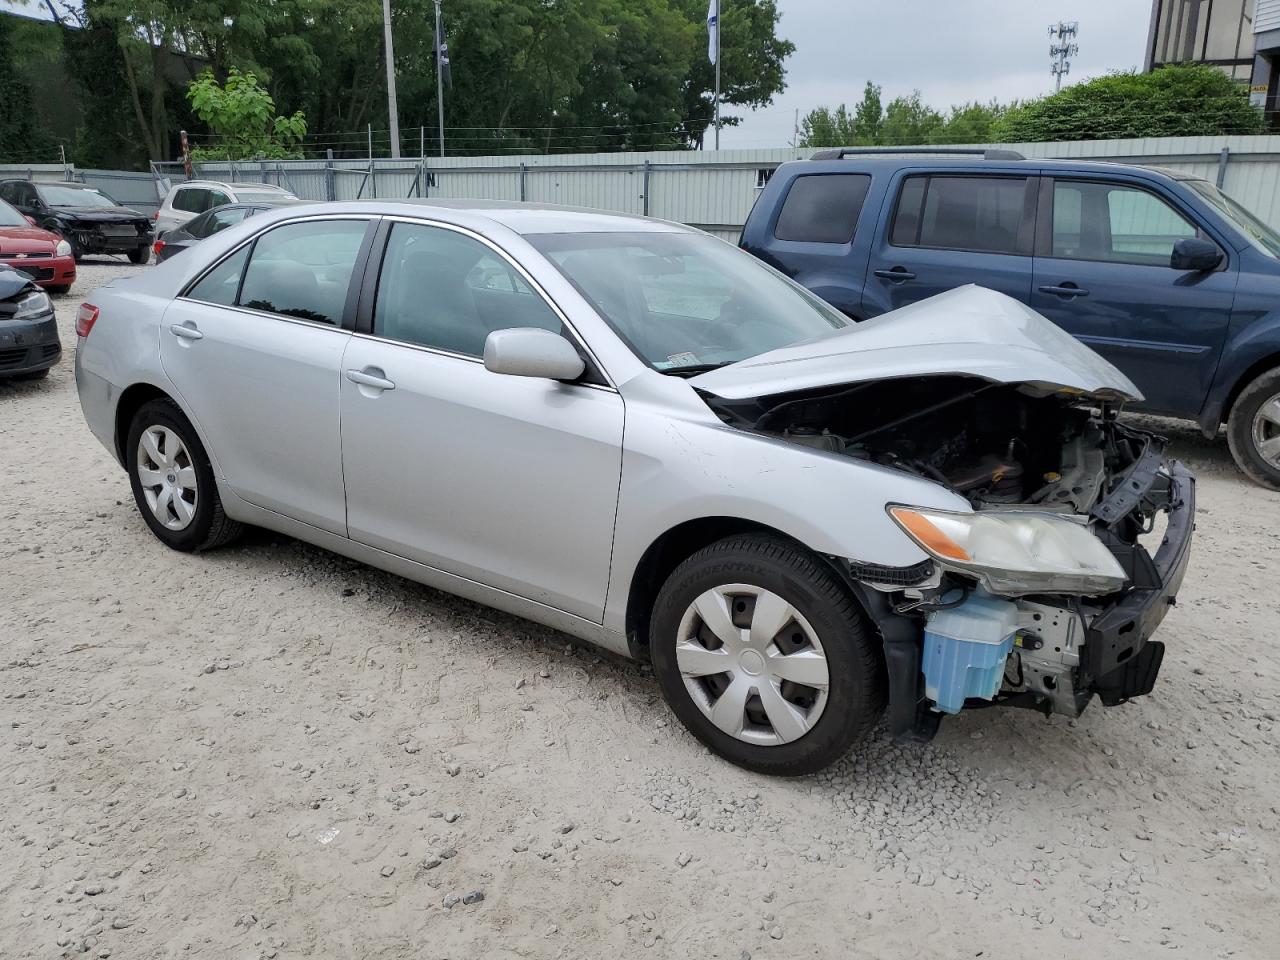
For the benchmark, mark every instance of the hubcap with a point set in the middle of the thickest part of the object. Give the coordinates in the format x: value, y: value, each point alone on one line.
x: 168, y: 477
x: 1266, y: 431
x: 752, y: 664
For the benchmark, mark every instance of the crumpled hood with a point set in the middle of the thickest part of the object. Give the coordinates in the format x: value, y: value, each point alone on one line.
x: 970, y: 330
x: 100, y: 214
x: 13, y: 282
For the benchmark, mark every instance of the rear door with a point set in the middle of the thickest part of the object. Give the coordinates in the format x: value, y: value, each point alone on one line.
x: 942, y: 229
x: 254, y: 348
x: 1102, y: 273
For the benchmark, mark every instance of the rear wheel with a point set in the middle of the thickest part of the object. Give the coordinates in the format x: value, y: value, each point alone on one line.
x: 140, y: 255
x: 765, y: 656
x: 172, y: 480
x: 1253, y: 429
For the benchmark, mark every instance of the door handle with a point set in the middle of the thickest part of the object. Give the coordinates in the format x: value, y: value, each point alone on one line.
x: 1066, y: 290
x: 186, y: 331
x: 896, y: 275
x: 373, y: 381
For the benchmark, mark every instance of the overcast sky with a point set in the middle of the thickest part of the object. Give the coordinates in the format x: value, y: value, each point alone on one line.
x: 952, y: 51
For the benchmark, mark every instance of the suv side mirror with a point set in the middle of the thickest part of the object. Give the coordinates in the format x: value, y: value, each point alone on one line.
x: 532, y: 352
x: 1192, y: 253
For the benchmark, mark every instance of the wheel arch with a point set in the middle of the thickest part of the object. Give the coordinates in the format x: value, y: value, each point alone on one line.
x: 131, y: 401
x: 1251, y: 373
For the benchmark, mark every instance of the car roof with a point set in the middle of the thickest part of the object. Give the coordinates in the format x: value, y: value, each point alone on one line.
x: 253, y: 185
x: 522, y: 218
x: 884, y: 160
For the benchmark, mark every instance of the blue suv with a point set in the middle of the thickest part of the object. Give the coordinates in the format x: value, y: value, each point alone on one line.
x: 1161, y: 273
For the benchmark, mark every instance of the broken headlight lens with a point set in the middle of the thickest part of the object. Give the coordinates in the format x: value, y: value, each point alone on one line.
x: 1015, y: 552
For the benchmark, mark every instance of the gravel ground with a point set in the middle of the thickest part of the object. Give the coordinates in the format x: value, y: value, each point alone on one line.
x: 270, y: 751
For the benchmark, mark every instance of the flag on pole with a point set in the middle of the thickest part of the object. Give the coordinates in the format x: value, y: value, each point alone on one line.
x: 713, y: 30
x: 442, y: 50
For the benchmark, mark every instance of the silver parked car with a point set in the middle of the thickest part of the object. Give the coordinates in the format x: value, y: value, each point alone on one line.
x: 642, y: 436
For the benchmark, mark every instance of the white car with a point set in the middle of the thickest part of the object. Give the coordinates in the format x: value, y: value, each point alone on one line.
x: 644, y: 437
x: 192, y: 198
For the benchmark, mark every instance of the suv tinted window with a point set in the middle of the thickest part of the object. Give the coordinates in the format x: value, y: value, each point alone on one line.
x: 822, y: 208
x: 1114, y: 223
x: 983, y: 214
x: 191, y: 199
x: 443, y: 289
x: 303, y: 270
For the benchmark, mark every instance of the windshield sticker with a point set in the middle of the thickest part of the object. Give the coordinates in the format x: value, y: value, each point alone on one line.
x: 681, y: 360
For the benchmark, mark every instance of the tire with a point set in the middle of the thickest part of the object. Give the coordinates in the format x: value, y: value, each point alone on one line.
x: 779, y: 571
x: 59, y: 289
x: 1255, y: 416
x: 140, y: 255
x: 205, y: 525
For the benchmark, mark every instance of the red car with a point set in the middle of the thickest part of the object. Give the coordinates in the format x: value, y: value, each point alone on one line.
x: 42, y: 255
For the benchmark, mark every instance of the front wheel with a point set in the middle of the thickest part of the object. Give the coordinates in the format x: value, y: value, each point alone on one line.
x: 172, y: 480
x: 765, y: 656
x: 140, y: 255
x: 1253, y: 429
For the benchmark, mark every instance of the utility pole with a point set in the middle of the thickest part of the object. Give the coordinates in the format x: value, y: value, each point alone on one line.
x: 717, y: 74
x: 392, y: 109
x: 1063, y: 48
x: 439, y: 77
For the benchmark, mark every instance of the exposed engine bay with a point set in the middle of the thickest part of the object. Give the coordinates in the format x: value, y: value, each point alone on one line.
x: 1004, y: 448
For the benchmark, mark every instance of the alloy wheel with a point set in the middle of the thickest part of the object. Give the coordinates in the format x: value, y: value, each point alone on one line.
x: 752, y: 664
x: 167, y: 477
x: 1266, y: 431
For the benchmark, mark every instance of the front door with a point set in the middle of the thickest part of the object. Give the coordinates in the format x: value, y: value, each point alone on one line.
x: 255, y: 348
x: 947, y: 230
x: 508, y: 481
x: 1102, y: 274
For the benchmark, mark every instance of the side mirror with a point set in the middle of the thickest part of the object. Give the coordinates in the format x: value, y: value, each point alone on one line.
x: 532, y: 352
x: 1192, y: 253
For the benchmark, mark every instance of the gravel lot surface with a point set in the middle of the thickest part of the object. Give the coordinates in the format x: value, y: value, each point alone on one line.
x: 270, y: 751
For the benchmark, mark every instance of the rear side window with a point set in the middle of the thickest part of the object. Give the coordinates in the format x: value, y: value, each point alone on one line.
x: 191, y: 200
x: 983, y: 214
x: 221, y: 284
x: 822, y: 208
x: 303, y: 270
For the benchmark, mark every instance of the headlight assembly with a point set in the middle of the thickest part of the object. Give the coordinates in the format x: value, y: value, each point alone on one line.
x: 63, y: 249
x: 33, y: 305
x: 1015, y: 552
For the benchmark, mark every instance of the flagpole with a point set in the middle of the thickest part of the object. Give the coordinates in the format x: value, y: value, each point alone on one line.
x: 392, y: 110
x: 439, y: 79
x: 717, y: 74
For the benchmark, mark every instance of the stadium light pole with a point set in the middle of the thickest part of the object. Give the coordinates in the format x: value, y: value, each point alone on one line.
x: 393, y: 111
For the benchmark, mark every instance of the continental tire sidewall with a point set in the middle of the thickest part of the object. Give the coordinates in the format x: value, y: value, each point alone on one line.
x: 856, y: 692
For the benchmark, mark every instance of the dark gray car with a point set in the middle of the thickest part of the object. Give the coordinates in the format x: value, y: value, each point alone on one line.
x: 29, y: 343
x: 174, y: 241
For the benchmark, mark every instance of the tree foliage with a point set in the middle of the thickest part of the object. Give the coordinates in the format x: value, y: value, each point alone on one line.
x: 904, y: 121
x: 21, y: 138
x: 1179, y: 100
x: 243, y: 117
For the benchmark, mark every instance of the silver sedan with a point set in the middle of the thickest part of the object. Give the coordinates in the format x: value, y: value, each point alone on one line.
x: 637, y: 434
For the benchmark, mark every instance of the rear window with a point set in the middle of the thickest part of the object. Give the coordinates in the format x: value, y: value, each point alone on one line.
x: 982, y: 214
x: 822, y: 208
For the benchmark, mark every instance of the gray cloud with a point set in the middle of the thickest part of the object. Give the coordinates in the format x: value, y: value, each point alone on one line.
x: 952, y: 52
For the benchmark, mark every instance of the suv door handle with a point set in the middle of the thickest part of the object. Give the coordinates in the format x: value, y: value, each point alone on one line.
x: 186, y: 331
x: 368, y: 378
x: 896, y: 275
x: 1067, y: 290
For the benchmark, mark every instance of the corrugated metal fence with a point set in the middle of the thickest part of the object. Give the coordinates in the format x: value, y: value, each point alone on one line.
x: 713, y: 190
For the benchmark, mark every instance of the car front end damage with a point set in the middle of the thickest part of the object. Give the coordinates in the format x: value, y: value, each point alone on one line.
x: 29, y: 341
x: 1071, y: 532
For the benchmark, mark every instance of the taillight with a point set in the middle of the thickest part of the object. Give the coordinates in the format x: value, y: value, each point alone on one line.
x: 86, y: 317
x: 157, y: 247
x: 155, y: 215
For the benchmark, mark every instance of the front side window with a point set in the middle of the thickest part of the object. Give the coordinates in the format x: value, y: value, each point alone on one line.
x: 217, y: 199
x: 303, y: 270
x: 442, y: 289
x: 822, y: 208
x: 686, y: 302
x: 981, y: 214
x: 1115, y: 224
x: 218, y: 220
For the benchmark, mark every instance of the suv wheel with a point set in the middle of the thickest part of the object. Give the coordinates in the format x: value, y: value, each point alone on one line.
x: 173, y: 482
x: 765, y: 656
x: 1253, y: 429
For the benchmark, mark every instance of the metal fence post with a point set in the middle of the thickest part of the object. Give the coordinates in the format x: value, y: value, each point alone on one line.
x: 524, y: 176
x: 1223, y: 159
x: 644, y: 188
x: 328, y: 175
x: 262, y: 167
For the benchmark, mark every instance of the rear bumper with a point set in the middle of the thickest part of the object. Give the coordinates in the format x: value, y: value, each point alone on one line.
x: 28, y: 346
x: 1119, y: 656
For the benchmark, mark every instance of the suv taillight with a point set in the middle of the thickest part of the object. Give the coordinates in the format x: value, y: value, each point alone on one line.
x: 86, y: 317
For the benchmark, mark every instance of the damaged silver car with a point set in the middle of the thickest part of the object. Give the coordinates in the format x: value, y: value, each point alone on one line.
x: 639, y: 435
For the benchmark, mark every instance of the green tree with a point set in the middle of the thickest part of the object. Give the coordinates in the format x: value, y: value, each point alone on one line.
x: 21, y: 137
x: 909, y: 121
x: 242, y: 116
x: 868, y: 115
x: 1182, y: 100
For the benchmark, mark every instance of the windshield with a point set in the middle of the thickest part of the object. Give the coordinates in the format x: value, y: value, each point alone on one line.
x: 10, y: 217
x: 1259, y: 234
x: 74, y: 197
x: 686, y: 302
